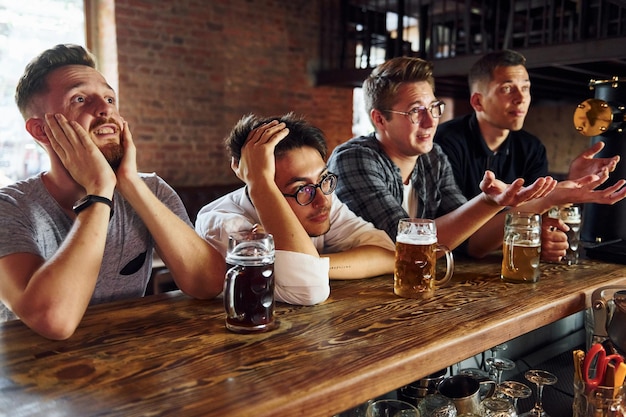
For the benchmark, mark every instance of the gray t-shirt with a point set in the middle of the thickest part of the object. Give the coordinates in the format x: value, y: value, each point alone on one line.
x: 32, y: 221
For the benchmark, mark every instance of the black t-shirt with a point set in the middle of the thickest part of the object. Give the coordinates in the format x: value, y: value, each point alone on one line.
x: 522, y: 155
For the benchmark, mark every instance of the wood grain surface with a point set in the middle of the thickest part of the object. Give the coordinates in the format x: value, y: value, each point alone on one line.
x: 170, y: 355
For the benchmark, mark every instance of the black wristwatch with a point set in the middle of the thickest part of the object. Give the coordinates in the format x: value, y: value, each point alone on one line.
x: 88, y: 200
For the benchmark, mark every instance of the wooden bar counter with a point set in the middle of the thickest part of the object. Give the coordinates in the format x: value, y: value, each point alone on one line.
x: 169, y: 355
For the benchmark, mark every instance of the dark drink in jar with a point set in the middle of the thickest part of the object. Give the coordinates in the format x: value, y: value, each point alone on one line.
x: 249, y: 283
x: 253, y: 297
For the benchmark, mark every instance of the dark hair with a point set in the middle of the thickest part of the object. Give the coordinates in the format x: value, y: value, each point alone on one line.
x: 482, y: 70
x: 301, y: 134
x: 381, y: 87
x: 33, y: 81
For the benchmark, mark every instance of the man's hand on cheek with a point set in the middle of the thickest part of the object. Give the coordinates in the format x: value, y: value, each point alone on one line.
x: 79, y: 155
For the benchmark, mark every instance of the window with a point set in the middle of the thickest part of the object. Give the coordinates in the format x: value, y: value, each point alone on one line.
x: 361, y: 123
x: 26, y: 29
x: 376, y: 55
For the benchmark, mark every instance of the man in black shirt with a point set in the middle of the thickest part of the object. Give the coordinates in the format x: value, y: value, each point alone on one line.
x: 492, y: 138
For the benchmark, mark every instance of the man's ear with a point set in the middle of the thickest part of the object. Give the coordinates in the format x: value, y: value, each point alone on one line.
x: 377, y: 118
x: 234, y: 165
x: 476, y: 101
x: 35, y: 126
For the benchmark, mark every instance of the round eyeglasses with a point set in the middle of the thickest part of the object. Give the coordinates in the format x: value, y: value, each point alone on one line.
x: 306, y: 193
x: 416, y: 114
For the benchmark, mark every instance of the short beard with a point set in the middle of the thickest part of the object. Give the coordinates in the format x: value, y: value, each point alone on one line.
x: 113, y: 153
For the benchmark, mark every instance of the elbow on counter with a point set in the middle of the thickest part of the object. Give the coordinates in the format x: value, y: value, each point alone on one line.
x: 305, y: 296
x: 52, y: 325
x: 301, y: 279
x: 204, y: 288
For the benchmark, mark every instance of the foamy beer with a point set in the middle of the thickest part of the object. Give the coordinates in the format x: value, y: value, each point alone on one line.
x: 521, y: 247
x: 416, y: 259
x: 572, y: 217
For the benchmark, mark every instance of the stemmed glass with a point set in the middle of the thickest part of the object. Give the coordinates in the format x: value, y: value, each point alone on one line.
x: 497, y: 407
x: 498, y: 348
x: 514, y: 390
x: 488, y: 363
x: 474, y: 372
x: 509, y: 389
x: 498, y: 365
x: 540, y: 379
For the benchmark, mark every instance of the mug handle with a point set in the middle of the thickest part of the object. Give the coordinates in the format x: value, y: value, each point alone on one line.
x: 229, y: 294
x: 510, y: 240
x: 492, y: 387
x: 449, y: 265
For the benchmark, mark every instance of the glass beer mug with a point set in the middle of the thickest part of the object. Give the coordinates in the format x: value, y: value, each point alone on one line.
x: 521, y: 247
x: 572, y: 217
x: 416, y: 259
x: 249, y: 284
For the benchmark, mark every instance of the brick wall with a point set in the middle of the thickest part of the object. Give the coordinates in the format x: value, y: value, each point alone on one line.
x: 189, y: 69
x: 553, y: 123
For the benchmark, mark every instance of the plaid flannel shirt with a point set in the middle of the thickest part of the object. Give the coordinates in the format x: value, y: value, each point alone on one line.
x: 370, y: 184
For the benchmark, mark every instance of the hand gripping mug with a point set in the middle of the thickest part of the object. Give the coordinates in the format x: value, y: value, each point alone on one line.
x: 572, y: 217
x: 521, y: 247
x: 249, y: 284
x: 416, y: 259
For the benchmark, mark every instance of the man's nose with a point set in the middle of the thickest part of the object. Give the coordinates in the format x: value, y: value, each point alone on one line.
x: 519, y: 96
x: 320, y: 198
x: 427, y: 119
x: 102, y: 107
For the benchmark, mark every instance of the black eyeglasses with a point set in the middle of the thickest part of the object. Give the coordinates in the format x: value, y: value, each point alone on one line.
x: 416, y: 114
x: 306, y: 193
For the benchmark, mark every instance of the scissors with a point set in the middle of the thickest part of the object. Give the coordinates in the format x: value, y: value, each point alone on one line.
x: 597, y: 359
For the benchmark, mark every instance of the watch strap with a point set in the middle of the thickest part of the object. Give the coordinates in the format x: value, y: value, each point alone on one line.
x: 88, y: 200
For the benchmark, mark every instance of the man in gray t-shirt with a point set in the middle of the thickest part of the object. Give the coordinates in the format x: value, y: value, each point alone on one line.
x: 84, y: 231
x: 33, y: 222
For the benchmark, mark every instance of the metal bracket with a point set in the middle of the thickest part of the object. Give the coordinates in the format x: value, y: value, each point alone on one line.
x: 603, y: 307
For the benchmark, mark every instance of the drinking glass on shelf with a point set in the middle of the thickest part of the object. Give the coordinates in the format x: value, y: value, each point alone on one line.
x: 474, y: 372
x: 478, y: 374
x: 495, y: 353
x: 497, y: 407
x: 436, y: 405
x: 498, y: 348
x: 391, y: 408
x: 498, y: 365
x: 513, y: 391
x: 540, y: 379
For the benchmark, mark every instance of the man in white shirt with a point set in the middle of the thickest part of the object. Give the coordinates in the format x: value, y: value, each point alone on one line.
x: 289, y: 193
